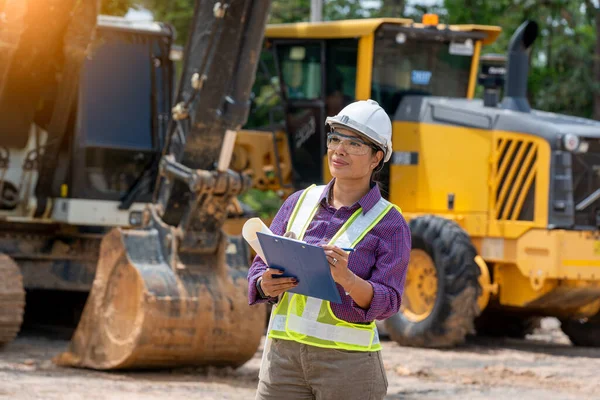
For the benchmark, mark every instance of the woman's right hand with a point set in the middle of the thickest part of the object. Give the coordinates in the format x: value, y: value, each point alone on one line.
x: 273, y: 286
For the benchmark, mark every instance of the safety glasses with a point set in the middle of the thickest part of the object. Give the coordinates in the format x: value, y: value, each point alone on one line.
x: 352, y: 144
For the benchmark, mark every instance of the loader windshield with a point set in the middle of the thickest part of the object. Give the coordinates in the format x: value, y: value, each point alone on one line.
x: 404, y: 64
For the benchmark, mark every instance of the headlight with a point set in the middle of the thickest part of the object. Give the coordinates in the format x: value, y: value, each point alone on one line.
x: 571, y: 142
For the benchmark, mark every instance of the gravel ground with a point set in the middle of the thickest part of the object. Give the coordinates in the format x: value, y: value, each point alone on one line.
x: 543, y: 366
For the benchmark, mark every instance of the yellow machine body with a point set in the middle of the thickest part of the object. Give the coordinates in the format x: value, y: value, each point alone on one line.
x: 550, y: 271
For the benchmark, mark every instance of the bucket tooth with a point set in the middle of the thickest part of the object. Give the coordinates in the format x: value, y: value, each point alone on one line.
x: 141, y: 313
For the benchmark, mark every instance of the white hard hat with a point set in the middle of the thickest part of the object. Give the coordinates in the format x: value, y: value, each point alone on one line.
x: 366, y: 117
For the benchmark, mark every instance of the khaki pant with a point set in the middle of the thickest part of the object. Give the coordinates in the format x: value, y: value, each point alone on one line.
x: 291, y: 370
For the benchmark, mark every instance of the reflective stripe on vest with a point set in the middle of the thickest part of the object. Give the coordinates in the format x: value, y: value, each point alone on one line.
x: 310, y: 320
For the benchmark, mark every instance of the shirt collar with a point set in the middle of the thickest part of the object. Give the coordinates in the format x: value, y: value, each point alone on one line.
x: 367, y: 202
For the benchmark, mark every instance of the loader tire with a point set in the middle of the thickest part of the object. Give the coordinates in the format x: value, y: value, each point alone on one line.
x: 449, y: 250
x: 12, y: 299
x: 583, y: 332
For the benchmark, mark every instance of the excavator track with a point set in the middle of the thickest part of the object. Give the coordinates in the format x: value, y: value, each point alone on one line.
x: 12, y: 299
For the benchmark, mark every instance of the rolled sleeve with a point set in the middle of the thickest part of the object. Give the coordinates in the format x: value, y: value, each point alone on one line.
x: 258, y: 266
x: 256, y: 270
x: 389, y: 275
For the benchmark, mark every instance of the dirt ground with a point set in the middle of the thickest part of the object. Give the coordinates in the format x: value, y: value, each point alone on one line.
x: 544, y: 366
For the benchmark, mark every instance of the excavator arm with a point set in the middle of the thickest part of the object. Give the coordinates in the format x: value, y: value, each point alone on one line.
x: 195, y: 183
x: 163, y: 294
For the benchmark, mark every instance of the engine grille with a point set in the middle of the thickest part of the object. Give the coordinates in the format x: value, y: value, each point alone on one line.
x: 514, y: 178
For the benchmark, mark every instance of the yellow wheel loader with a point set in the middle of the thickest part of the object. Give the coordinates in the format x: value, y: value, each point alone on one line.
x: 116, y: 184
x: 503, y: 201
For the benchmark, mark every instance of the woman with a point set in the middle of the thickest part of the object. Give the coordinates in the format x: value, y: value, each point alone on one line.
x: 321, y: 350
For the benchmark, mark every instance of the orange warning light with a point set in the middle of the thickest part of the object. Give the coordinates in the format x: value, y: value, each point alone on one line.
x: 430, y: 19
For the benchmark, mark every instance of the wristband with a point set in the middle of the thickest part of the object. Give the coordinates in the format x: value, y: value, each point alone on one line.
x: 259, y: 289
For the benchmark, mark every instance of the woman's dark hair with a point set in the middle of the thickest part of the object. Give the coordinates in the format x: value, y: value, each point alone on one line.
x: 376, y: 174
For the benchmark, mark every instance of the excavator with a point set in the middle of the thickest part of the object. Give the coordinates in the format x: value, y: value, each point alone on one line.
x: 110, y: 174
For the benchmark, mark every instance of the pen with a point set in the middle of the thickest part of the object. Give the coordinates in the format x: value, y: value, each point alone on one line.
x: 350, y: 250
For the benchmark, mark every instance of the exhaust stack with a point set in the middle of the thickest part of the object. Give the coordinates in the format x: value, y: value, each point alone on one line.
x: 519, y: 50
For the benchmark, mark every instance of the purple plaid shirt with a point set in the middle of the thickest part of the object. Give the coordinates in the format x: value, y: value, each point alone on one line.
x: 381, y: 257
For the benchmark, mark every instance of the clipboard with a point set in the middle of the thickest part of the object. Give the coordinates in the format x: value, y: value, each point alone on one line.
x: 305, y: 262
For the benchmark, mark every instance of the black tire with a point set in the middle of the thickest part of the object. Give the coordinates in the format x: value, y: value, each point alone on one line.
x: 455, y: 307
x: 496, y: 323
x: 583, y: 332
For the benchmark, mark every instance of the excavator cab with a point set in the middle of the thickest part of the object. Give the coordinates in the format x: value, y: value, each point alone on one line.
x: 125, y: 93
x: 119, y: 123
x: 320, y: 68
x: 115, y: 124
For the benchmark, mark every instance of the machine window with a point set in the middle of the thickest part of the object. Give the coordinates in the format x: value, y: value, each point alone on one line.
x: 340, y: 74
x: 267, y: 107
x: 404, y: 66
x: 301, y: 70
x: 117, y: 86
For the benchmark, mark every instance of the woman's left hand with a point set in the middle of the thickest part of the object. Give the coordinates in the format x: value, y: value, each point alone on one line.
x: 338, y: 263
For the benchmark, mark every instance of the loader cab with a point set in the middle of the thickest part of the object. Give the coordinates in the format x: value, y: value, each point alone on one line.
x: 320, y: 68
x: 317, y: 79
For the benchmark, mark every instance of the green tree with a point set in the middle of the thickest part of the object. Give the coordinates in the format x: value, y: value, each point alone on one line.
x: 178, y: 13
x: 283, y: 11
x: 593, y: 18
x: 561, y: 77
x: 344, y: 9
x: 391, y: 9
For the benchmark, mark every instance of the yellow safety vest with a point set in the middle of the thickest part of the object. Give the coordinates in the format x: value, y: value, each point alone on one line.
x: 309, y: 320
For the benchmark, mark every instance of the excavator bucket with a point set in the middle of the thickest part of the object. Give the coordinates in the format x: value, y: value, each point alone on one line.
x: 142, y: 314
